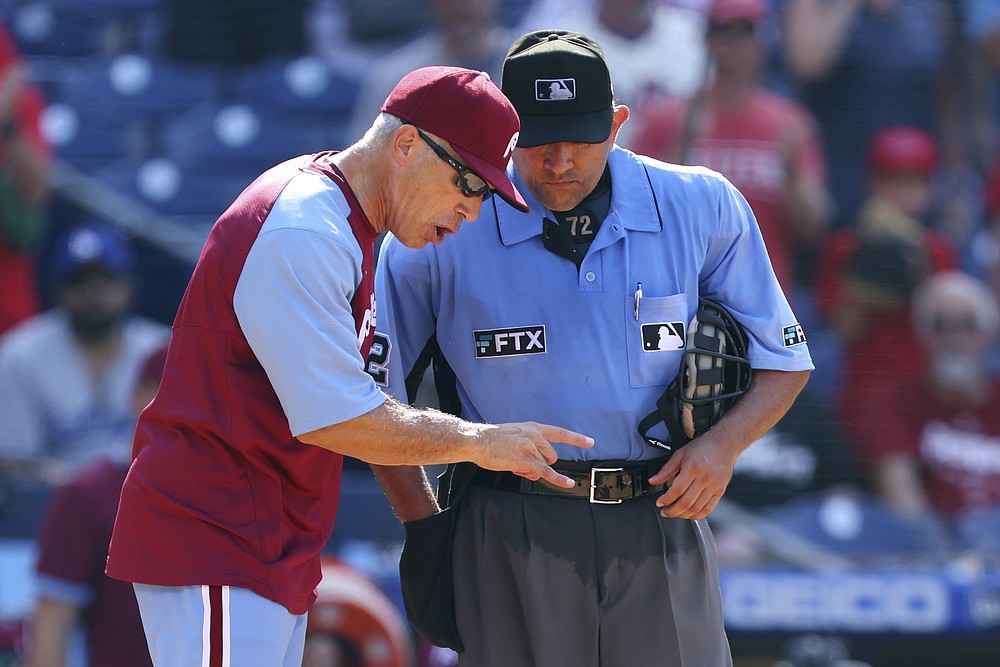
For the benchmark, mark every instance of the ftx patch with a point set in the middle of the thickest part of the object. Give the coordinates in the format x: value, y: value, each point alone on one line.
x: 509, y: 342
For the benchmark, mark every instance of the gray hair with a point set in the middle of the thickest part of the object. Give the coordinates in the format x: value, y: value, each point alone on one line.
x: 384, y: 126
x: 956, y: 287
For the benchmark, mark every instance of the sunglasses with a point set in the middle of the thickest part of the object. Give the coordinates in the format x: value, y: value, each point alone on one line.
x: 469, y: 182
x: 736, y: 28
x: 956, y: 323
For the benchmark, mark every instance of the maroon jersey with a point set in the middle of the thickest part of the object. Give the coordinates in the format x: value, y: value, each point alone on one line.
x: 958, y: 446
x: 71, y: 551
x: 220, y: 492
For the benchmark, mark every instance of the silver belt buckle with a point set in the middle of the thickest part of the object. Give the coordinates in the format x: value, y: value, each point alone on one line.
x: 593, y: 486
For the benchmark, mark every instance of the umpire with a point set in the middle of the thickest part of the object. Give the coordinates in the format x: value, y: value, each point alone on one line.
x: 574, y: 314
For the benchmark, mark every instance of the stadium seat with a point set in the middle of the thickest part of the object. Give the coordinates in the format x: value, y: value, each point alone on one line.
x: 299, y: 85
x: 130, y: 86
x: 81, y: 137
x: 22, y: 507
x: 171, y: 189
x: 57, y: 28
x: 863, y: 529
x: 128, y: 98
x: 364, y: 513
x: 304, y: 89
x: 78, y: 27
x: 237, y: 136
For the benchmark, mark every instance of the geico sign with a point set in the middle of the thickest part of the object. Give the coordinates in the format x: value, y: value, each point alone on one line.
x: 857, y: 602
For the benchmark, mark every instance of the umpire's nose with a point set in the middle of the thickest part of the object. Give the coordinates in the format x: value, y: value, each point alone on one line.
x: 559, y: 157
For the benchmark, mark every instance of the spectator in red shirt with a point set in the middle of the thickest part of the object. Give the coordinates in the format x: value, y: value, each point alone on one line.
x: 867, y: 273
x: 24, y: 163
x: 73, y: 544
x: 766, y: 145
x: 937, y: 445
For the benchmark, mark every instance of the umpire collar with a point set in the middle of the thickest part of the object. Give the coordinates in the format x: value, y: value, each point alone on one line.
x: 632, y: 203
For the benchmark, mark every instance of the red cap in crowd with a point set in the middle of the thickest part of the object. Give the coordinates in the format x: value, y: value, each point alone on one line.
x: 903, y: 149
x: 992, y: 187
x: 723, y: 11
x: 466, y: 109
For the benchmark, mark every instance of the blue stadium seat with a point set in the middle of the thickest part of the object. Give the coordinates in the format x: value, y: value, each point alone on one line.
x: 171, y: 189
x: 22, y: 507
x: 304, y: 89
x: 81, y: 137
x: 364, y: 513
x: 861, y: 528
x: 237, y: 136
x: 79, y: 27
x: 131, y: 86
x: 58, y: 28
x: 299, y: 85
x: 128, y: 95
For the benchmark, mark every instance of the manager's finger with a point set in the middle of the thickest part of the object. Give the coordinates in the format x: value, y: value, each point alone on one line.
x: 564, y: 435
x: 553, y: 477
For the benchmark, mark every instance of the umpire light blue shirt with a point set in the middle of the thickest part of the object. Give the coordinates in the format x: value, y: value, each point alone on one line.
x: 531, y: 338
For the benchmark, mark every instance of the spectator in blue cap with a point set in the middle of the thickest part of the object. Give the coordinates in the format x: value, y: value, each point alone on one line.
x: 67, y: 374
x: 92, y: 245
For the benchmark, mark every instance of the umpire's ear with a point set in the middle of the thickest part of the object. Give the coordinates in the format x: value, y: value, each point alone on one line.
x: 622, y: 114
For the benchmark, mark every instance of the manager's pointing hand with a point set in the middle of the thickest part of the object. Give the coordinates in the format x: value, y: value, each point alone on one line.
x: 525, y: 448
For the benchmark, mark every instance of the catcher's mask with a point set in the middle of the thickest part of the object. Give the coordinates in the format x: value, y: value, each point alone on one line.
x: 714, y: 374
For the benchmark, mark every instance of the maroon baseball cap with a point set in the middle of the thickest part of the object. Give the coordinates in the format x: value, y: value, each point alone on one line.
x: 724, y: 11
x: 466, y: 109
x: 903, y: 149
x: 992, y: 187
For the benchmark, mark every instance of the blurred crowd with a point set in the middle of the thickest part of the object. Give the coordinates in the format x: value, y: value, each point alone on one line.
x: 865, y: 134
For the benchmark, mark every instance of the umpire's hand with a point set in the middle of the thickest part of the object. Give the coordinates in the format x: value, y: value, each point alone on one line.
x: 698, y: 474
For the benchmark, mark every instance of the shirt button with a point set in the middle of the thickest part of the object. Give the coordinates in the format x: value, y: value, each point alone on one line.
x: 591, y: 276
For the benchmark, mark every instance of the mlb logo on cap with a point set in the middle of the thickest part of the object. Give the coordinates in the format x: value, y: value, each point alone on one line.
x: 548, y: 90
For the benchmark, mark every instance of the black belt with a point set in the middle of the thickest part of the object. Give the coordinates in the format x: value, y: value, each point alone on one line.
x: 604, y: 482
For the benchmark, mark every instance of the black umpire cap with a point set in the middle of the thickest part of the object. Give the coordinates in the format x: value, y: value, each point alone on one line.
x: 560, y: 86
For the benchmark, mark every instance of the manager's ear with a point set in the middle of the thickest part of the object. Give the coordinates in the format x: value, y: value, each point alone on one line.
x: 402, y: 143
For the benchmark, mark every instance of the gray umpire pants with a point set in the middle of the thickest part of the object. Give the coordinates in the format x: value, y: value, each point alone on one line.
x: 553, y: 582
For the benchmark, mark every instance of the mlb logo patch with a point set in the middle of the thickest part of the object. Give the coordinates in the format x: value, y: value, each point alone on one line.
x: 663, y: 336
x: 793, y: 335
x: 553, y: 90
x: 509, y: 342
